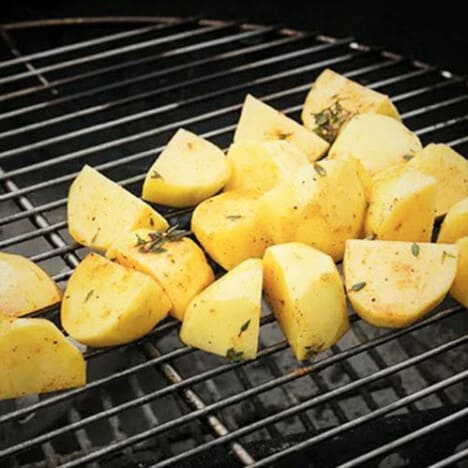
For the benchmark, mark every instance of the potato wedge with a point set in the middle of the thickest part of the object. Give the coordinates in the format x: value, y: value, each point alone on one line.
x: 393, y: 284
x: 106, y: 304
x: 455, y: 224
x: 306, y: 294
x: 36, y: 358
x: 259, y: 121
x: 189, y: 170
x: 24, y: 286
x: 224, y: 319
x: 459, y: 289
x: 180, y: 267
x: 99, y: 209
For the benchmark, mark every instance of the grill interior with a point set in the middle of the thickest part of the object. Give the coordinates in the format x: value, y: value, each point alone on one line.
x: 110, y: 95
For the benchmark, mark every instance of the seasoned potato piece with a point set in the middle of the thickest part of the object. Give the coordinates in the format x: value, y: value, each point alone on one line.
x: 36, y: 358
x: 259, y: 166
x: 393, y: 284
x: 106, y: 304
x: 305, y: 292
x: 179, y: 266
x: 24, y: 287
x: 377, y: 141
x: 99, y: 209
x: 224, y: 319
x: 455, y: 225
x: 449, y: 168
x: 189, y: 170
x: 259, y: 121
x: 228, y: 228
x: 459, y: 289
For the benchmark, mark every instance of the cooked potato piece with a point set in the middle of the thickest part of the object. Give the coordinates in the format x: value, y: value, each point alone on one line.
x: 99, y: 209
x: 180, y: 266
x: 228, y: 228
x: 331, y: 88
x: 322, y: 206
x: 224, y: 319
x: 402, y: 206
x: 36, y: 358
x: 459, y: 289
x: 189, y: 170
x: 259, y: 121
x: 449, y: 168
x: 377, y: 141
x: 24, y: 287
x: 393, y: 284
x: 306, y: 294
x: 106, y: 304
x: 259, y: 166
x: 455, y: 225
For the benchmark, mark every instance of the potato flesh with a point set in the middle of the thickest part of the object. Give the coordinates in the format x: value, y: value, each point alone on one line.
x: 106, y: 304
x: 260, y: 122
x: 189, y: 170
x: 305, y: 292
x: 36, y: 358
x: 455, y: 224
x: 99, y: 209
x: 226, y: 315
x: 181, y: 270
x: 390, y: 286
x: 459, y: 289
x: 24, y: 287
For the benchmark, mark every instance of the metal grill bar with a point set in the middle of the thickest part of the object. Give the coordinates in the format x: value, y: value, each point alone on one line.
x: 450, y: 461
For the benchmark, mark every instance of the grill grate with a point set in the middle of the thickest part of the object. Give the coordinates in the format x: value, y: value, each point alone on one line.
x: 112, y: 92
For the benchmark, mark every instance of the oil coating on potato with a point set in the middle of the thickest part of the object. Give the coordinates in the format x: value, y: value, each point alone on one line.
x: 455, y: 224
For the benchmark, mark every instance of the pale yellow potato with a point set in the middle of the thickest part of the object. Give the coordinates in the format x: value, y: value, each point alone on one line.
x: 258, y: 166
x: 455, y: 224
x: 24, y: 286
x: 392, y: 284
x: 259, y: 121
x: 99, y: 209
x: 449, y: 168
x: 181, y: 268
x: 189, y: 170
x: 459, y: 289
x: 377, y: 141
x: 306, y: 294
x: 106, y: 304
x: 224, y: 319
x: 36, y: 358
x: 229, y: 229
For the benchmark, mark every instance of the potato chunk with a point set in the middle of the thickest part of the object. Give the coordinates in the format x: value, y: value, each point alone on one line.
x: 449, y: 168
x: 306, y: 294
x: 189, y: 170
x: 455, y: 224
x: 393, y: 284
x: 24, y: 287
x: 224, y: 319
x: 99, y: 209
x: 36, y: 358
x: 377, y: 141
x: 459, y: 289
x: 180, y: 267
x: 259, y: 121
x: 106, y: 304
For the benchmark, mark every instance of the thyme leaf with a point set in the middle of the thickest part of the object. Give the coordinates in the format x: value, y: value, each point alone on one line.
x: 234, y: 356
x: 244, y: 327
x: 415, y: 249
x: 408, y: 157
x: 156, y: 175
x: 156, y: 239
x: 319, y: 169
x: 312, y: 351
x: 233, y: 217
x: 88, y: 296
x: 329, y: 121
x: 446, y: 254
x: 358, y: 286
x: 284, y: 135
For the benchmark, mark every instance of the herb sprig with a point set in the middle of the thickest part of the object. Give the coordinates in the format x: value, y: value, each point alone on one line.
x: 358, y: 286
x: 330, y: 120
x: 156, y: 239
x: 234, y: 356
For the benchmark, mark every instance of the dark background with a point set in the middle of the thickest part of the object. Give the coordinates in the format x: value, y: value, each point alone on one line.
x: 433, y: 32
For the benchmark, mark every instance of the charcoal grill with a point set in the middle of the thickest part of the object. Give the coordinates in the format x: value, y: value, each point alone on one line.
x: 110, y: 92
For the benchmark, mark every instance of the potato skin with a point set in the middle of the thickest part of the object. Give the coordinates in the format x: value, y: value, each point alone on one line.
x: 455, y: 224
x: 459, y: 289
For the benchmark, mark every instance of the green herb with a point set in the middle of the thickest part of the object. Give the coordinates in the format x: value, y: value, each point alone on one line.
x: 244, y: 327
x: 157, y: 239
x: 233, y: 217
x: 234, y: 356
x: 284, y: 135
x: 312, y: 351
x: 88, y: 296
x: 95, y: 236
x: 358, y: 286
x: 415, y: 249
x: 156, y: 175
x: 445, y: 254
x: 319, y: 169
x: 330, y: 120
x: 408, y: 157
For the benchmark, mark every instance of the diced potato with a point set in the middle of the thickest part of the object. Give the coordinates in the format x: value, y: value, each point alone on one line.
x: 99, y: 209
x: 459, y: 289
x: 224, y: 319
x: 189, y: 170
x: 331, y: 88
x: 322, y: 206
x: 377, y: 141
x: 106, y: 304
x: 36, y: 358
x: 259, y: 121
x: 228, y: 228
x: 402, y: 206
x: 393, y: 284
x: 180, y: 267
x: 259, y: 166
x: 449, y: 168
x: 305, y: 292
x: 24, y: 287
x: 455, y: 225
